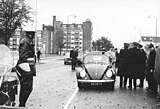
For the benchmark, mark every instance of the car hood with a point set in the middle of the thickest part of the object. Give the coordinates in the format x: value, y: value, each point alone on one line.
x: 96, y: 71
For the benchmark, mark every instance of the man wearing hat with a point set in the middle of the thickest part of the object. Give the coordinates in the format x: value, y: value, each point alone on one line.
x: 132, y: 64
x: 26, y: 54
x: 142, y: 64
x: 121, y: 64
x: 152, y: 84
x: 73, y: 56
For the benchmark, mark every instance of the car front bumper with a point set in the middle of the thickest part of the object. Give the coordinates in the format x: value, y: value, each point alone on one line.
x: 95, y: 81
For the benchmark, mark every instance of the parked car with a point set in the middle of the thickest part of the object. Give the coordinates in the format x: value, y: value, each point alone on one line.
x: 96, y: 70
x: 67, y: 59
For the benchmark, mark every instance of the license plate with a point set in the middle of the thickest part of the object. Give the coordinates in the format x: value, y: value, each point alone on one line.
x: 96, y: 83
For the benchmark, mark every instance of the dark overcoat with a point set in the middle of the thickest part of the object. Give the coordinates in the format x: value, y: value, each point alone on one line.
x: 121, y: 62
x: 132, y: 63
x: 141, y: 64
x: 157, y: 66
x: 150, y: 63
x: 73, y: 56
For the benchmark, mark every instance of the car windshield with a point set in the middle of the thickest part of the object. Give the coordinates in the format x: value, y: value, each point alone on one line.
x: 96, y: 59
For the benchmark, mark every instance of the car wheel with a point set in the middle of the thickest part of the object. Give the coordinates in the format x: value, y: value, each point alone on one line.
x: 64, y: 63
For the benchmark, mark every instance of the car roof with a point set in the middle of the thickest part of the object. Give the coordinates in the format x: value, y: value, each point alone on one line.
x: 95, y: 52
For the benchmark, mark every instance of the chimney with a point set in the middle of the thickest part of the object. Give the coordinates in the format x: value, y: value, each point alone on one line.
x: 54, y: 21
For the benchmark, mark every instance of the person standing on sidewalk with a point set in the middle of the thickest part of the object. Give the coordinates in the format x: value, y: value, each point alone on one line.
x: 132, y: 65
x: 152, y: 83
x: 38, y: 55
x: 121, y: 63
x: 73, y: 56
x: 26, y: 68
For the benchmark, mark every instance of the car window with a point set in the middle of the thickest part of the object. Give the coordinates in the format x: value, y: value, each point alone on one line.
x: 96, y: 59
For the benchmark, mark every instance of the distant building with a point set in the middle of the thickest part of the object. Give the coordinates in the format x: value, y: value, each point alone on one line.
x: 87, y: 35
x: 39, y: 39
x: 46, y: 35
x: 78, y: 36
x: 150, y: 39
x: 15, y: 40
x: 73, y: 36
x: 49, y: 35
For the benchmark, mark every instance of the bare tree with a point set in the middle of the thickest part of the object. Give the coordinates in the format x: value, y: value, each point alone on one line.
x: 60, y: 39
x: 13, y: 15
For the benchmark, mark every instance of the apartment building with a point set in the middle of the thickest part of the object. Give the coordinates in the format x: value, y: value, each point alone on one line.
x: 14, y: 40
x: 73, y: 36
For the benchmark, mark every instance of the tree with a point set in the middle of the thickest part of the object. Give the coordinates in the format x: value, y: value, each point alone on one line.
x: 94, y: 45
x: 13, y: 15
x: 102, y: 44
x: 60, y: 39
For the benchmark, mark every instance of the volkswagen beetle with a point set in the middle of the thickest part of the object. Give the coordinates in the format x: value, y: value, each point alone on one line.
x: 96, y: 70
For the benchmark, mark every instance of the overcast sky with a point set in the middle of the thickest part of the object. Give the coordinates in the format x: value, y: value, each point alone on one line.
x: 119, y: 20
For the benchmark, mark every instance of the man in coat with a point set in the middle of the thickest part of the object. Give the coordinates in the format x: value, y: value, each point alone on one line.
x: 132, y: 65
x: 73, y: 56
x: 26, y: 53
x: 121, y: 64
x: 157, y: 66
x: 152, y: 83
x: 142, y: 65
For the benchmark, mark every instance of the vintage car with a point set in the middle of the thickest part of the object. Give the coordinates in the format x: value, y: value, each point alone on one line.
x: 96, y: 70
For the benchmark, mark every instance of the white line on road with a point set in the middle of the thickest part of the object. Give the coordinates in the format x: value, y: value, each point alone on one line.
x: 70, y: 99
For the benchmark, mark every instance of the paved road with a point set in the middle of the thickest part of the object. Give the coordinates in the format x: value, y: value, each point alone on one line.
x: 55, y: 88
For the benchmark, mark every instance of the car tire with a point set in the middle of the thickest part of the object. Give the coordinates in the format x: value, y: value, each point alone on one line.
x: 65, y: 63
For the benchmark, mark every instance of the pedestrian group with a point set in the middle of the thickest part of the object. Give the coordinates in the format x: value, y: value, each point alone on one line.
x: 133, y: 62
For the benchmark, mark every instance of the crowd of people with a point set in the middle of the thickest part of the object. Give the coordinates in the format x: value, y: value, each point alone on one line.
x: 137, y: 62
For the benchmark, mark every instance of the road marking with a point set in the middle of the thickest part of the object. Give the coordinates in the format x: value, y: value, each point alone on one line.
x: 70, y: 99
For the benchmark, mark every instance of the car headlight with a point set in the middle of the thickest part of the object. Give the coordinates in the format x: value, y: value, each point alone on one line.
x: 83, y: 73
x: 109, y: 73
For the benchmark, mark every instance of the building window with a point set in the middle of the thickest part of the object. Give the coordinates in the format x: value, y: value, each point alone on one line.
x: 64, y: 26
x: 72, y: 26
x: 79, y: 26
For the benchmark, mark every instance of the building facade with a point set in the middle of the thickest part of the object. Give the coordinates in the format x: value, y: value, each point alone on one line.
x: 150, y: 39
x: 78, y: 36
x: 15, y: 40
x: 87, y: 35
x: 73, y: 36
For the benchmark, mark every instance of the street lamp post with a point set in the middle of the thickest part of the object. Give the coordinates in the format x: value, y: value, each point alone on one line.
x: 36, y: 29
x: 68, y: 26
x: 156, y: 24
